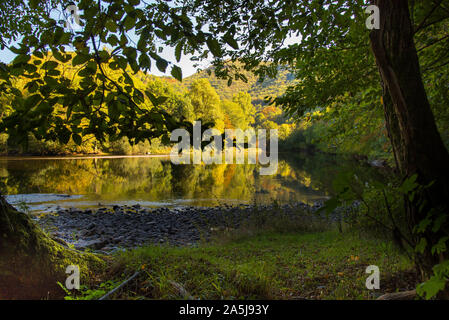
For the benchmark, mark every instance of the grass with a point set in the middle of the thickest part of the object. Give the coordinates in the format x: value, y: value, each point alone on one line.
x: 265, y: 265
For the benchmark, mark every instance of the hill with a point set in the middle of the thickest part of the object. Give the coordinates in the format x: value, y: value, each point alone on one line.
x: 258, y: 90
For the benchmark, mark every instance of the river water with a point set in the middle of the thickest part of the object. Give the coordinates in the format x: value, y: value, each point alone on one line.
x: 42, y: 184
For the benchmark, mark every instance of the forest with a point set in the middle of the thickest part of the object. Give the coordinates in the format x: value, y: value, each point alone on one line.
x: 200, y: 96
x: 360, y: 104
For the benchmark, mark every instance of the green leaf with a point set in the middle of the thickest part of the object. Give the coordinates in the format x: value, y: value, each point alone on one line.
x: 176, y: 72
x: 38, y: 54
x: 409, y: 184
x: 21, y: 50
x: 440, y: 247
x: 161, y: 64
x: 214, y: 47
x: 49, y: 65
x: 22, y: 58
x: 80, y: 58
x: 77, y: 139
x: 34, y: 3
x: 144, y: 61
x: 155, y: 101
x: 64, y: 135
x: 111, y: 25
x: 423, y: 224
x: 113, y: 40
x: 438, y: 223
x: 53, y: 72
x: 130, y: 22
x: 178, y: 51
x: 430, y: 288
x: 421, y: 247
x: 330, y: 205
x: 231, y: 41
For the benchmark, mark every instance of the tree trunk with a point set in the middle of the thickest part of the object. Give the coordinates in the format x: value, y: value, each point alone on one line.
x: 417, y: 145
x: 31, y: 263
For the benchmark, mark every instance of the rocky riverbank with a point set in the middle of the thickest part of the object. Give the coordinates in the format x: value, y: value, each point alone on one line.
x: 108, y: 229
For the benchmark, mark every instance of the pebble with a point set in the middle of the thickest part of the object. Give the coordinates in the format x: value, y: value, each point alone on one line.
x: 107, y: 230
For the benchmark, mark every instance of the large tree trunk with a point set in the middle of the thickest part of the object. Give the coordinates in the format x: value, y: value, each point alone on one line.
x: 31, y: 263
x: 417, y: 145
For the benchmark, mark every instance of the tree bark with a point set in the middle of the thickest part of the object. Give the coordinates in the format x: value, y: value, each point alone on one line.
x: 31, y: 263
x: 417, y: 144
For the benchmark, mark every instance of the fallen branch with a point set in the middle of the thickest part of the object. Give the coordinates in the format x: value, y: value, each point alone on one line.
x: 405, y: 295
x: 107, y: 295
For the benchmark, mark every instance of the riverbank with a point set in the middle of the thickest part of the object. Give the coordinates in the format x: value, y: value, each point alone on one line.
x: 257, y: 265
x: 111, y: 228
x: 82, y: 156
x: 229, y: 252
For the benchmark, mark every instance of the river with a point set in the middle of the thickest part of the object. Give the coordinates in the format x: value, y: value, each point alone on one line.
x: 42, y: 184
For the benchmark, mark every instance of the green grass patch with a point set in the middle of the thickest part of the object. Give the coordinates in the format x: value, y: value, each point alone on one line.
x: 270, y: 265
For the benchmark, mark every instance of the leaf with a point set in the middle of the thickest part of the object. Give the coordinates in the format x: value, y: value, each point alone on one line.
x: 214, y: 47
x: 34, y: 4
x: 178, y: 51
x: 421, y: 247
x: 144, y: 61
x: 80, y: 58
x: 53, y: 72
x: 77, y: 139
x: 440, y: 246
x: 113, y: 40
x: 111, y: 25
x: 438, y: 223
x: 161, y: 64
x: 176, y: 72
x: 423, y: 224
x: 64, y: 135
x: 409, y: 184
x: 430, y: 288
x: 130, y: 22
x: 156, y: 101
x: 330, y: 205
x: 22, y: 58
x: 49, y: 65
x: 231, y: 41
x: 161, y: 100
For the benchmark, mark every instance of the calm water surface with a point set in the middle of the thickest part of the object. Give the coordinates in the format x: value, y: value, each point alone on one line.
x: 43, y: 184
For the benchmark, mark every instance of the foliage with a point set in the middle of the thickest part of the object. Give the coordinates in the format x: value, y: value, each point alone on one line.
x: 84, y: 293
x: 259, y: 89
x: 265, y: 265
x: 389, y: 218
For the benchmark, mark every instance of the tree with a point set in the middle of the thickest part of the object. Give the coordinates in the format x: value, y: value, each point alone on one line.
x: 335, y: 54
x: 52, y: 109
x: 206, y: 103
x: 417, y: 145
x: 235, y: 114
x: 243, y: 99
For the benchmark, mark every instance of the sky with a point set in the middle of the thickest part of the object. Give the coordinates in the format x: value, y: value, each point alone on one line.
x: 186, y: 64
x: 168, y: 54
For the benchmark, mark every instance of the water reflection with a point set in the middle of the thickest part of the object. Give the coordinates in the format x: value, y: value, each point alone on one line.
x: 155, y: 181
